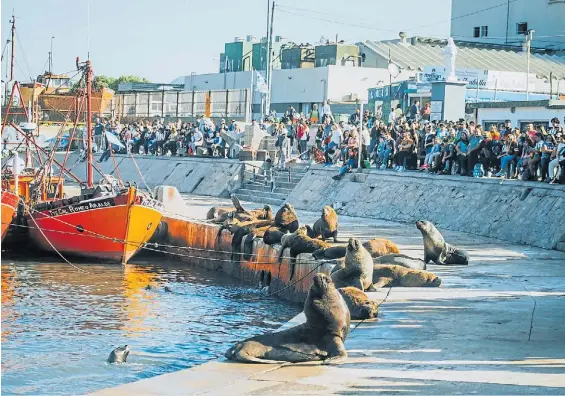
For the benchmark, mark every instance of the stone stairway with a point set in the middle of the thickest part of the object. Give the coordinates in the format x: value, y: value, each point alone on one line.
x: 256, y: 190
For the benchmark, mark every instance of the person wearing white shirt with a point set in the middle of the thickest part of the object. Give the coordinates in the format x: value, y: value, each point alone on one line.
x: 326, y: 111
x: 391, y: 117
x: 197, y: 140
x: 365, y: 142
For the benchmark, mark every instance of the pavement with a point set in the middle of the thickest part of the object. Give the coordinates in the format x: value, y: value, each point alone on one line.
x: 496, y: 326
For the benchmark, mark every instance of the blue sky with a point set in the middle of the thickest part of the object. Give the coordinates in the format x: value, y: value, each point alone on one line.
x: 161, y: 40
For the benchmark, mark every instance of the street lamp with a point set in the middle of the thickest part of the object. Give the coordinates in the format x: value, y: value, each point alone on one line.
x: 529, y: 37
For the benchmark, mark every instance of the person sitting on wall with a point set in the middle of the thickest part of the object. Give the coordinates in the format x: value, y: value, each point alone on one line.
x: 462, y: 149
x: 405, y: 149
x: 557, y: 163
x: 351, y: 163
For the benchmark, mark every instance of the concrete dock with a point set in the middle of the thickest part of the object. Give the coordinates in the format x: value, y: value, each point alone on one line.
x: 496, y: 326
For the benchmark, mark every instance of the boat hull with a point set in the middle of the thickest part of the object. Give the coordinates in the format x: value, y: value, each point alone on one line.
x: 108, y: 228
x: 9, y: 207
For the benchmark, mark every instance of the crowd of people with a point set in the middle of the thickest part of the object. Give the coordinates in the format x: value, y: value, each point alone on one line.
x: 158, y: 137
x: 413, y: 142
x: 406, y: 142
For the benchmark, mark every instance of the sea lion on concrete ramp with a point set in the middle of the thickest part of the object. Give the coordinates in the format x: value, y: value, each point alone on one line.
x: 358, y: 267
x: 239, y: 230
x: 286, y: 218
x: 437, y: 250
x: 395, y: 275
x: 272, y: 235
x: 326, y: 226
x: 359, y: 304
x: 379, y: 247
x: 320, y: 338
x: 220, y: 213
x: 119, y: 355
x: 402, y: 260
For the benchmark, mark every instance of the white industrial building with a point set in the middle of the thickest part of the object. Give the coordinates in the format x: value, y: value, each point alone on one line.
x: 299, y: 88
x: 506, y: 22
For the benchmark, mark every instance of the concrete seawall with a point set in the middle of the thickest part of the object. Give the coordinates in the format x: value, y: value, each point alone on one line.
x: 202, y: 176
x: 520, y: 212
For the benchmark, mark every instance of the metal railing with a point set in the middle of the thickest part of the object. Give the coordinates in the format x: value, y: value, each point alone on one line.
x: 256, y: 172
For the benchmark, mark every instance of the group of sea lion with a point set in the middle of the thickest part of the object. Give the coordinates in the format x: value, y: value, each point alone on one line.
x: 336, y: 299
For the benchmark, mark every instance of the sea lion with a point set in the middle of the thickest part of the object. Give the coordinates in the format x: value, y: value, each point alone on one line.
x: 286, y: 218
x: 357, y: 270
x: 326, y: 226
x: 272, y: 235
x: 320, y: 338
x: 402, y: 260
x: 119, y: 355
x: 379, y: 247
x: 299, y: 242
x: 239, y: 231
x: 331, y: 253
x: 257, y: 232
x: 395, y: 275
x: 376, y: 247
x: 437, y: 250
x: 221, y: 213
x: 359, y: 304
x: 168, y: 289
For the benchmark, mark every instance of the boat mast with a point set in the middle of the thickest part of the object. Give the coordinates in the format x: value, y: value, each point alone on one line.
x: 13, y: 22
x: 89, y: 124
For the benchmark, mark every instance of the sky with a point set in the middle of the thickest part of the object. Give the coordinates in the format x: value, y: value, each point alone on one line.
x: 162, y: 40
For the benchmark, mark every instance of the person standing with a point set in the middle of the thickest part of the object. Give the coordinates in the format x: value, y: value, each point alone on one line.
x: 302, y: 134
x: 283, y: 146
x: 314, y: 114
x: 414, y: 110
x: 99, y: 129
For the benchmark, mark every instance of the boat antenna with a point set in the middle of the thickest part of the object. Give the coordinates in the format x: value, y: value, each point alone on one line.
x: 86, y: 68
x: 13, y: 22
x: 88, y: 30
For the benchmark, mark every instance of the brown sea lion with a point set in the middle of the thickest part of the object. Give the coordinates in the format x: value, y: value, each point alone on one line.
x: 359, y: 304
x: 331, y: 253
x: 220, y: 213
x: 239, y: 231
x: 376, y: 247
x: 299, y: 243
x: 326, y: 226
x: 286, y: 218
x: 273, y: 235
x: 437, y: 250
x: 320, y: 338
x: 402, y: 260
x: 379, y: 247
x: 357, y: 270
x: 395, y: 275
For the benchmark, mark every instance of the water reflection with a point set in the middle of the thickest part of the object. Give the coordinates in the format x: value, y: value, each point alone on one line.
x: 59, y: 324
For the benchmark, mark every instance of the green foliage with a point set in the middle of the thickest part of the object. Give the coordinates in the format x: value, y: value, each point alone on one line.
x: 111, y: 82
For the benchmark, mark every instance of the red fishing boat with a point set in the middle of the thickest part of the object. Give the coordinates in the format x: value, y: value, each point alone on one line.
x: 9, y: 207
x: 109, y: 222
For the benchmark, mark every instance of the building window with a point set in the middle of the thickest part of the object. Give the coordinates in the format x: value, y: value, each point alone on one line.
x: 522, y: 28
x: 484, y: 31
x: 476, y: 31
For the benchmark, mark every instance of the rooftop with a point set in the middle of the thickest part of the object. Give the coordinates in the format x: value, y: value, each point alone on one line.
x: 417, y: 52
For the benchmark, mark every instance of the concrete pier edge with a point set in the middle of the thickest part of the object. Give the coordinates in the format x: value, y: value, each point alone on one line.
x: 491, y: 290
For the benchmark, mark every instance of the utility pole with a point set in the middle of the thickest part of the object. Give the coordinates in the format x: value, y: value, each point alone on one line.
x: 13, y: 22
x: 51, y: 56
x: 266, y: 43
x: 529, y: 37
x: 269, y: 63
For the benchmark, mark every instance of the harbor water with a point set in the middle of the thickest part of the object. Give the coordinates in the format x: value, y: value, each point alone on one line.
x: 59, y: 324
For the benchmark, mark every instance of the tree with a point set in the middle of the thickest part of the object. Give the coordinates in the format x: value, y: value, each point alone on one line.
x: 127, y: 79
x: 102, y: 81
